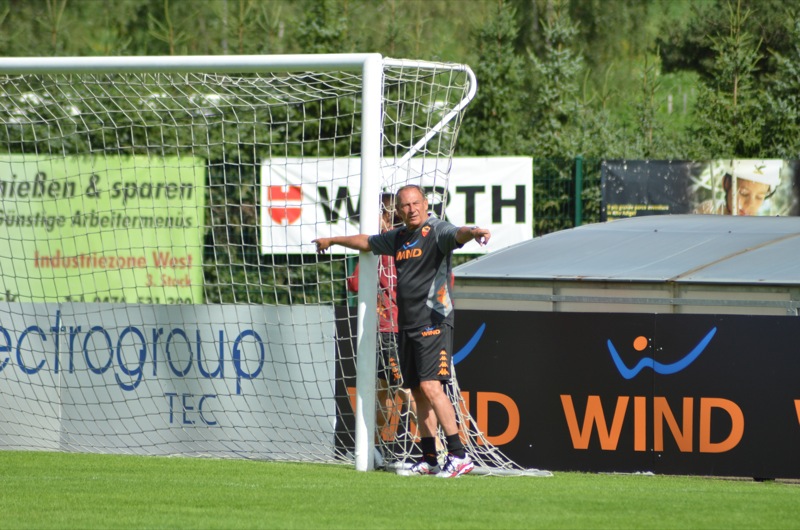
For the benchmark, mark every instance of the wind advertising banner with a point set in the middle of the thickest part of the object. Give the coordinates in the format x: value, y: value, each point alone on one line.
x: 622, y: 392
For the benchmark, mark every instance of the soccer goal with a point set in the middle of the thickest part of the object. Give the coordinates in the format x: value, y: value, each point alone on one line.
x: 160, y: 292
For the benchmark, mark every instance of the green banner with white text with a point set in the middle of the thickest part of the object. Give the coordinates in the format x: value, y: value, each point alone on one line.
x: 101, y: 229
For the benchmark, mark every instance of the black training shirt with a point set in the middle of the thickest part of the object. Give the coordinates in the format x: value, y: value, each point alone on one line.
x: 422, y: 259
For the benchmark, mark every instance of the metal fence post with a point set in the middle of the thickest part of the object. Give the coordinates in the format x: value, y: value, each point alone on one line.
x: 578, y: 190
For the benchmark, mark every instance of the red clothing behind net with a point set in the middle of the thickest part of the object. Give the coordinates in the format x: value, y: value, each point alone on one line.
x: 387, y: 293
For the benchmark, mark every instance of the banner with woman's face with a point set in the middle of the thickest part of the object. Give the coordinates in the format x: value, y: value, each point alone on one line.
x: 723, y: 187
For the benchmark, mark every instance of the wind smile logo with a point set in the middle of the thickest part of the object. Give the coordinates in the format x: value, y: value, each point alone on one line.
x: 461, y: 354
x: 655, y: 418
x: 640, y: 343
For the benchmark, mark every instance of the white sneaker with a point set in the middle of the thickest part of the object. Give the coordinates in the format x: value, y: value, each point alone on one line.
x: 420, y: 468
x: 454, y: 466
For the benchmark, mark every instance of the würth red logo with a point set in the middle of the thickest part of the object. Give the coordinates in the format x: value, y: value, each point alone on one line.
x: 284, y: 206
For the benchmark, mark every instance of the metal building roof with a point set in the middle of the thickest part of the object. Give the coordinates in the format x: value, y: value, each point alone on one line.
x: 658, y: 248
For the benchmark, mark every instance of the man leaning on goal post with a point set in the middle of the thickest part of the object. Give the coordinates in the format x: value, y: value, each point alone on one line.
x: 422, y: 249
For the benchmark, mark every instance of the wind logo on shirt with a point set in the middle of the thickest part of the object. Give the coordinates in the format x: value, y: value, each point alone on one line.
x: 408, y: 254
x: 429, y: 332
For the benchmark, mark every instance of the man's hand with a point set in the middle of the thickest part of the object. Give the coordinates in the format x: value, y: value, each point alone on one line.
x: 323, y: 244
x: 481, y: 235
x: 466, y: 234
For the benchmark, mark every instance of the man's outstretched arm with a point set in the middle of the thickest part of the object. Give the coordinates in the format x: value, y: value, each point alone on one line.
x: 356, y: 242
x: 466, y: 234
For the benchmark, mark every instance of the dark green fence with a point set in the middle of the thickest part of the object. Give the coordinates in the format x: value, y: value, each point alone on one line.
x: 566, y: 193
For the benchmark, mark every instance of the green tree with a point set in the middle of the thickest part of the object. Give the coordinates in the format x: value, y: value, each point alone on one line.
x: 613, y: 33
x: 493, y: 123
x: 647, y: 124
x: 324, y: 27
x: 685, y: 45
x: 782, y: 126
x: 555, y: 86
x: 650, y: 137
x: 730, y: 111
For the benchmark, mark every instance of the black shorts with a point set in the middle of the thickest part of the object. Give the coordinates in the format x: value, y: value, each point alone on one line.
x: 388, y: 369
x: 425, y: 354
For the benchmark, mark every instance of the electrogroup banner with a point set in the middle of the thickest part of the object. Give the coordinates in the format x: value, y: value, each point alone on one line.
x: 101, y: 229
x: 667, y: 393
x: 728, y: 187
x: 256, y: 381
x: 302, y: 200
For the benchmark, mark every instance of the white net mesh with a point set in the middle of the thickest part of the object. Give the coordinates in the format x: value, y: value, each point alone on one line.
x: 159, y: 291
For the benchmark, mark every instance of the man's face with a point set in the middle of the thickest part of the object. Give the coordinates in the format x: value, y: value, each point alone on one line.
x: 749, y: 197
x: 412, y: 207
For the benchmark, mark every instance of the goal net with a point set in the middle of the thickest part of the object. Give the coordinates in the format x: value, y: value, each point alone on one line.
x: 159, y: 291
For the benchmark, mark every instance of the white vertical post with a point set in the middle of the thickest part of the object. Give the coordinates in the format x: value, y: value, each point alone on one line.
x: 366, y: 356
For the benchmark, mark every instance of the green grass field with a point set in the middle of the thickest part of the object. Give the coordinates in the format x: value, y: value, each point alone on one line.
x: 55, y: 490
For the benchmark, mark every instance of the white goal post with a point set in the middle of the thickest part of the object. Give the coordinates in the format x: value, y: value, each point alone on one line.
x: 137, y: 313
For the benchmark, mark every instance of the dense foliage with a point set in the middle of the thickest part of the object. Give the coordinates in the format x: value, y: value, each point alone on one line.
x: 558, y: 79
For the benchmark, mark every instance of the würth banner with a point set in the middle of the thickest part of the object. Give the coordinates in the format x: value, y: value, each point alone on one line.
x: 302, y: 199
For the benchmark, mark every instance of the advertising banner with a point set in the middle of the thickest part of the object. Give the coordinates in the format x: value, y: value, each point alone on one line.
x: 664, y: 393
x: 727, y: 187
x: 256, y: 381
x: 101, y: 229
x: 398, y: 435
x: 305, y: 199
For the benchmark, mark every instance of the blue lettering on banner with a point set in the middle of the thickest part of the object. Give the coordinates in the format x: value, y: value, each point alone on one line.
x: 187, y: 405
x: 135, y: 372
x: 98, y: 350
x: 5, y: 348
x: 176, y: 371
x: 220, y: 371
x: 102, y: 369
x: 21, y: 340
x: 237, y: 359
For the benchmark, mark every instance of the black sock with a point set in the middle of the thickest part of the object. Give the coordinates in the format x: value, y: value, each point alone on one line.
x: 454, y: 446
x: 428, y: 446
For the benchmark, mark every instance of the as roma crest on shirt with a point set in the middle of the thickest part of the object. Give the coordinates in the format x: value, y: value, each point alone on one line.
x: 425, y: 230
